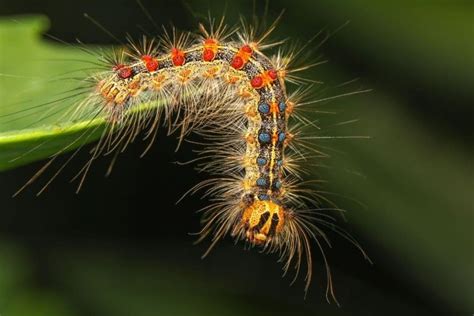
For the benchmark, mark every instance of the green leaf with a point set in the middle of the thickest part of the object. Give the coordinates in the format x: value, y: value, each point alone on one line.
x: 39, y: 91
x: 33, y: 75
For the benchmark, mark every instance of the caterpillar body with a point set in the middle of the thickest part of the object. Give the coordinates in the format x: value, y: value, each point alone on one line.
x: 262, y: 109
x: 229, y: 92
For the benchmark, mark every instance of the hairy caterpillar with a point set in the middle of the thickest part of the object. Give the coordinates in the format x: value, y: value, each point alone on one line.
x: 228, y: 91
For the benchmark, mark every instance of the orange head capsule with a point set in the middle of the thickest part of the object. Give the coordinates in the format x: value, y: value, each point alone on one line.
x: 262, y: 220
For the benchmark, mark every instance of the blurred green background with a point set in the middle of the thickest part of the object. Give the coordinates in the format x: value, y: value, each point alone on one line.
x: 122, y: 247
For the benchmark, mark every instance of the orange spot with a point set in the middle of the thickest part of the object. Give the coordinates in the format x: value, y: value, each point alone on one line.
x: 290, y: 106
x: 210, y: 42
x: 244, y: 93
x: 134, y: 84
x: 274, y: 137
x: 250, y: 111
x: 211, y: 72
x: 185, y: 74
x: 104, y: 87
x: 282, y: 73
x: 232, y: 79
x: 289, y: 137
x: 134, y: 87
x: 249, y: 138
x: 274, y: 107
x: 158, y: 81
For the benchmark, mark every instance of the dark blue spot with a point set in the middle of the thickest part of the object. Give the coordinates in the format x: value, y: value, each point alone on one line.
x: 261, y: 182
x: 278, y: 184
x: 282, y: 106
x: 261, y: 161
x: 264, y: 137
x: 281, y: 137
x: 264, y: 108
x: 263, y: 197
x: 279, y: 162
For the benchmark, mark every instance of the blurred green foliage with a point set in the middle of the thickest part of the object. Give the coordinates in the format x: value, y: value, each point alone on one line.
x: 27, y: 115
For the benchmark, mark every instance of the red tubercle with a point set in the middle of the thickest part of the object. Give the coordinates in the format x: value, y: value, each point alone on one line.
x: 178, y: 60
x: 208, y: 55
x: 264, y: 79
x: 177, y: 57
x: 272, y: 74
x: 237, y: 62
x: 257, y: 82
x: 242, y: 57
x: 151, y: 63
x: 123, y: 71
x: 246, y: 49
x: 210, y: 49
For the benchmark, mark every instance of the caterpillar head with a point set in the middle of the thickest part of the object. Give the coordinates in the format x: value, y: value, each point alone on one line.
x: 262, y: 220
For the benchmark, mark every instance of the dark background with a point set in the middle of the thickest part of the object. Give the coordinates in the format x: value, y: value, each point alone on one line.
x: 122, y: 246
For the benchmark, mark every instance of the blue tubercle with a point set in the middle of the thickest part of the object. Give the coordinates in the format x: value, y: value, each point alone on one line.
x: 282, y: 106
x: 264, y: 108
x: 281, y: 137
x: 264, y: 137
x: 261, y: 161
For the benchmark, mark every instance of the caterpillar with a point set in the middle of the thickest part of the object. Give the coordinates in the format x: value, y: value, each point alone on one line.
x: 221, y: 85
